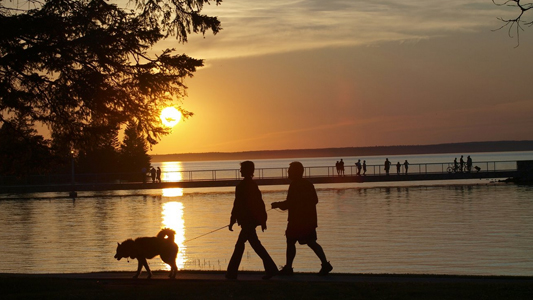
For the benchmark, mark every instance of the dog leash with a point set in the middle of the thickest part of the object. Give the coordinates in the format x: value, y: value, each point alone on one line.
x: 212, y: 231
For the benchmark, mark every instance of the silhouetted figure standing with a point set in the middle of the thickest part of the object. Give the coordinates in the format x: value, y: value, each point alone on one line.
x: 455, y: 165
x: 152, y: 174
x: 143, y: 174
x: 469, y: 164
x: 341, y: 166
x: 301, y: 203
x: 358, y: 165
x: 461, y: 164
x: 398, y: 168
x: 364, y: 167
x: 406, y: 166
x: 338, y: 167
x: 387, y: 166
x: 249, y: 212
x: 158, y: 175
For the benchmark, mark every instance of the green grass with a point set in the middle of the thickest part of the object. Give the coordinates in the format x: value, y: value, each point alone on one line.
x: 21, y: 287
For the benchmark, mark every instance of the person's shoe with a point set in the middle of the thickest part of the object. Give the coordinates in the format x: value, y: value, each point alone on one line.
x: 286, y: 271
x: 270, y: 275
x: 326, y: 268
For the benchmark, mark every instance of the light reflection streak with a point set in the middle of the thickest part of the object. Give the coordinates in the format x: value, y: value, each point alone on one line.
x: 172, y: 192
x: 173, y: 218
x: 171, y: 171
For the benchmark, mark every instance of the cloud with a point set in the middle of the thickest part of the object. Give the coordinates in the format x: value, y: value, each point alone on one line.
x: 257, y: 28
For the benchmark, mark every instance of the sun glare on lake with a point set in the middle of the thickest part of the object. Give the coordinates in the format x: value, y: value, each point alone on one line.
x: 170, y: 116
x: 173, y: 218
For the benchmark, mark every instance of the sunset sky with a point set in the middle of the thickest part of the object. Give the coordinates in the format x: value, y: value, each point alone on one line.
x: 317, y: 74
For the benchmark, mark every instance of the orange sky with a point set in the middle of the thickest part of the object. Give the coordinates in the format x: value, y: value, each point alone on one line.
x: 316, y: 74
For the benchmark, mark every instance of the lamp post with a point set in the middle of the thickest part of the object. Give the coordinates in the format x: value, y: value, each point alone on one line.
x: 73, y: 193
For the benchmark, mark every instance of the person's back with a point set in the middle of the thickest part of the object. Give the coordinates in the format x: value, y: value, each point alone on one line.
x: 301, y: 203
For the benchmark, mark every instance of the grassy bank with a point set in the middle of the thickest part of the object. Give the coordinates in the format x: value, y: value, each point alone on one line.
x: 29, y: 287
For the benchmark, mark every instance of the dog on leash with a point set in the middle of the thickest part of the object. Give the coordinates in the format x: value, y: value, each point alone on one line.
x: 144, y: 248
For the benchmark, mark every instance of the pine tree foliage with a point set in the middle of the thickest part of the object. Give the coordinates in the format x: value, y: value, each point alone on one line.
x: 83, y: 66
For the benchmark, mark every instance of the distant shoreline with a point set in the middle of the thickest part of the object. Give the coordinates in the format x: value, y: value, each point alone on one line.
x: 471, y: 147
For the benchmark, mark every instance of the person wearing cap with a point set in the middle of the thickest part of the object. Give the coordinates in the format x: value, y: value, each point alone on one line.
x: 249, y: 212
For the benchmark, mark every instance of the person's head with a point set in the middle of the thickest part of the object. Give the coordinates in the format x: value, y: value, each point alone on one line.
x: 296, y: 170
x: 247, y: 168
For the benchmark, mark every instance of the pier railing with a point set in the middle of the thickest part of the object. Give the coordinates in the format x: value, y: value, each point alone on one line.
x: 260, y: 173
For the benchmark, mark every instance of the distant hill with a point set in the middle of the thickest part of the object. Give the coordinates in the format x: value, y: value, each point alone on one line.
x: 466, y: 148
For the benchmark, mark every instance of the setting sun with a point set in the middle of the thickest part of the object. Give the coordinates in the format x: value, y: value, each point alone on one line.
x: 170, y: 116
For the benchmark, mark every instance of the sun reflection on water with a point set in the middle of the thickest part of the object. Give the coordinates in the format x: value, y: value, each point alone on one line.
x: 172, y: 192
x: 173, y: 218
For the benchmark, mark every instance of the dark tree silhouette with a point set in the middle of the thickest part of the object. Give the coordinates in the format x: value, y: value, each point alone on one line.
x: 82, y: 67
x: 519, y: 21
x: 23, y: 151
x: 133, y: 151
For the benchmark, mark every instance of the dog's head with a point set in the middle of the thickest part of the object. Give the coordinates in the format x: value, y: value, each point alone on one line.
x: 125, y: 250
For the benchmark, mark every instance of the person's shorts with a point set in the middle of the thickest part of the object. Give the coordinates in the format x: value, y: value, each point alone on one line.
x: 303, y: 236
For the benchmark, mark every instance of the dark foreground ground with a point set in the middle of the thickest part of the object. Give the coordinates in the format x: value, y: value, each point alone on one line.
x: 213, y: 285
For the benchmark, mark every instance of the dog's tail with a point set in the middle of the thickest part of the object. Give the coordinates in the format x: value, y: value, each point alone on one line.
x: 166, y: 233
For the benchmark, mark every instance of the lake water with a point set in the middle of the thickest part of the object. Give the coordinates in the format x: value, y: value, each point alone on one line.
x: 476, y: 228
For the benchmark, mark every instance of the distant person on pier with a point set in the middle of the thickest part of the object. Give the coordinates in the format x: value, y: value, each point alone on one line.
x: 461, y: 164
x: 302, y: 220
x: 358, y: 165
x: 387, y: 166
x: 364, y: 167
x: 338, y: 167
x: 143, y: 174
x: 406, y: 166
x: 398, y: 168
x: 249, y: 212
x: 152, y: 174
x: 469, y: 164
x: 158, y: 175
x: 341, y: 166
x: 455, y: 165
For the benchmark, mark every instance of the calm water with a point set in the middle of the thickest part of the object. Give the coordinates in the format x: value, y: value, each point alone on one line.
x: 479, y: 228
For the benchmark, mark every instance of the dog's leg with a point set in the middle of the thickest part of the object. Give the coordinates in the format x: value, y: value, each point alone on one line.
x: 173, y: 271
x: 139, y: 268
x: 145, y: 263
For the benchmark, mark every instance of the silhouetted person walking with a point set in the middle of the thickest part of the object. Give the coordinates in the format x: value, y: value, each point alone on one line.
x: 364, y: 167
x: 301, y: 203
x: 249, y: 212
x: 406, y: 166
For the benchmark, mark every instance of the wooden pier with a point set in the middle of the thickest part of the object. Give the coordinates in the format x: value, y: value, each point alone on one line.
x: 101, y: 186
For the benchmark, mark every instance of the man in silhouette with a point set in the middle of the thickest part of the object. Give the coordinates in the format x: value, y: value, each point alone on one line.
x: 301, y: 203
x: 387, y: 166
x: 249, y: 212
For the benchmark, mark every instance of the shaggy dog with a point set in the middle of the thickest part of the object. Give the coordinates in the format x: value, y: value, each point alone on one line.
x: 148, y: 247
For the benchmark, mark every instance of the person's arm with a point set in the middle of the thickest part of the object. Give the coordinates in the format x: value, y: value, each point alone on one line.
x: 283, y: 205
